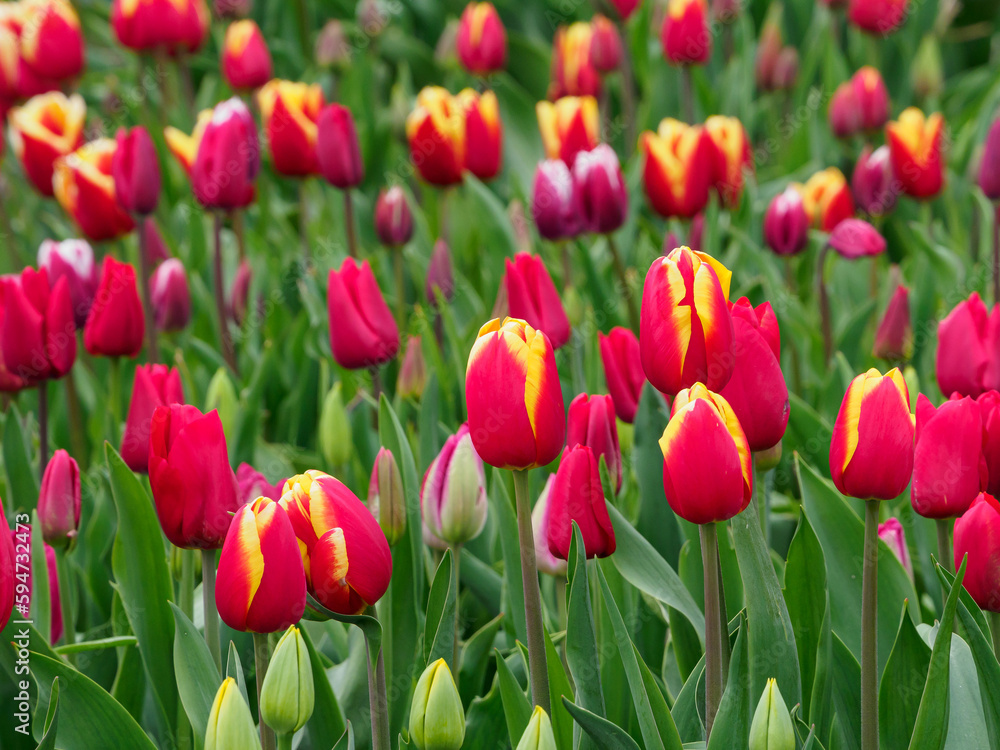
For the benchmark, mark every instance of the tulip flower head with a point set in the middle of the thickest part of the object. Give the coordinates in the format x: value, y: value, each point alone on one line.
x: 287, y: 695
x: 59, y: 500
x: 435, y: 130
x: 625, y: 8
x: 136, y: 171
x: 915, y: 147
x: 170, y: 296
x: 173, y: 25
x: 856, y: 238
x: 871, y: 453
x: 577, y: 496
x: 989, y: 167
x: 482, y: 39
x: 16, y: 536
x: 437, y: 719
x: 827, y: 199
x: 439, y: 275
x: 605, y: 45
x: 227, y: 157
x: 786, y: 223
x: 771, y: 727
x: 844, y: 113
x: 7, y: 567
x: 251, y: 484
x: 393, y: 218
x: 42, y: 130
x: 553, y: 206
x: 153, y: 386
x: 685, y: 331
x: 894, y: 336
x: 874, y: 183
x: 872, y: 98
x: 540, y: 516
x: 85, y: 187
x: 891, y: 532
x: 538, y: 735
x: 707, y: 466
x: 51, y: 39
x: 568, y: 126
x: 591, y: 422
x: 74, y: 261
x: 483, y: 139
x: 239, y: 293
x: 599, y: 190
x: 453, y: 493
x: 37, y: 331
x: 116, y: 323
x: 623, y: 373
x: 573, y: 71
x: 678, y: 168
x: 246, y: 60
x: 337, y: 148
x: 977, y: 534
x: 989, y: 409
x: 385, y: 496
x: 230, y: 725
x: 363, y: 332
x: 184, y: 147
x: 968, y: 353
x: 686, y: 37
x: 532, y: 296
x: 289, y: 112
x: 733, y: 154
x: 878, y: 17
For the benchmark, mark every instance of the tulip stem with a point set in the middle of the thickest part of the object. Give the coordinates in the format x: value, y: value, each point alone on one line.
x: 869, y: 634
x: 616, y: 259
x: 211, y: 612
x: 994, y: 618
x: 687, y: 93
x: 532, y: 596
x: 285, y: 741
x: 237, y: 219
x: 303, y: 220
x: 824, y: 306
x: 228, y: 353
x: 377, y: 697
x: 996, y: 255
x: 43, y: 428
x: 945, y: 556
x: 456, y: 552
x: 186, y: 595
x: 115, y: 397
x: 352, y: 242
x: 713, y: 624
x: 152, y: 349
x: 262, y: 657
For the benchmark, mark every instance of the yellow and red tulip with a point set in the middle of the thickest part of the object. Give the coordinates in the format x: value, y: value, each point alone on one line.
x: 184, y: 147
x: 573, y: 73
x: 568, y: 126
x: 51, y: 40
x: 483, y: 132
x: 246, y: 60
x: 827, y: 199
x: 44, y: 129
x: 678, y: 168
x: 289, y: 112
x: 482, y: 39
x: 915, y: 147
x: 435, y: 130
x: 733, y: 154
x: 85, y: 189
x: 685, y: 35
x: 514, y: 398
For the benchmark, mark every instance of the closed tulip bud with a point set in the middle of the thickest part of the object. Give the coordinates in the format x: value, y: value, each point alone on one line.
x: 453, y: 493
x: 227, y: 158
x: 289, y: 112
x: 337, y: 149
x: 287, y: 695
x: 437, y: 719
x: 856, y: 238
x: 915, y: 146
x: 14, y: 538
x: 894, y: 335
x: 538, y: 734
x: 230, y: 725
x: 573, y: 72
x: 623, y: 373
x: 385, y: 496
x: 222, y: 398
x: 152, y: 387
x: 707, y: 470
x: 685, y: 331
x: 577, y: 496
x: 686, y: 37
x: 436, y: 133
x: 947, y: 460
x: 393, y: 218
x: 194, y: 488
x: 757, y: 391
x: 786, y: 69
x: 136, y: 171
x: 482, y: 39
x: 59, y: 500
x: 989, y: 408
x: 363, y: 332
x: 246, y: 60
x: 878, y: 17
x: 116, y: 323
x: 335, y: 442
x: 891, y: 532
x: 678, y: 168
x: 170, y: 296
x: 827, y: 199
x: 732, y: 154
x: 413, y: 372
x: 346, y: 555
x: 37, y: 332
x: 592, y: 423
x: 47, y: 127
x: 372, y: 16
x: 874, y: 183
x: 871, y: 453
x: 844, y: 113
x: 872, y: 98
x: 7, y: 567
x: 771, y: 727
x: 977, y: 534
x: 173, y: 25
x: 483, y: 133
x: 786, y: 223
x: 769, y: 46
x: 989, y: 167
x: 51, y: 39
x: 332, y: 47
x: 439, y: 274
x: 552, y: 202
x: 514, y: 397
x: 968, y: 354
x: 540, y: 517
x: 605, y: 45
x: 568, y: 126
x: 155, y: 247
x: 72, y: 260
x: 239, y: 294
x: 599, y: 190
x: 85, y: 188
x: 532, y: 296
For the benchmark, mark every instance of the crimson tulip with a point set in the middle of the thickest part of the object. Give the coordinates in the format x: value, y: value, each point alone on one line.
x: 732, y: 153
x: 7, y: 578
x: 482, y: 39
x: 625, y: 8
x: 879, y: 17
x: 844, y: 113
x: 116, y: 324
x: 856, y: 238
x: 686, y: 36
x: 786, y: 223
x: 591, y: 422
x: 435, y: 130
x: 968, y: 353
x: 573, y: 71
x: 599, y: 191
x: 576, y: 496
x: 989, y: 167
x: 37, y: 331
x: 170, y: 296
x: 72, y: 260
x: 51, y: 39
x: 23, y: 532
x: 153, y: 386
x: 59, y: 500
x: 393, y: 218
x: 552, y: 201
x: 874, y: 182
x: 532, y: 297
x: 246, y: 60
x: 540, y: 516
x: 173, y: 25
x: 605, y: 44
x: 289, y: 112
x: 239, y: 293
x: 872, y: 98
x: 989, y: 410
x: 894, y: 335
x: 363, y: 332
x: 947, y: 460
x: 891, y: 532
x: 85, y: 187
x: 622, y: 370
x: 337, y: 149
x: 977, y: 535
x: 483, y: 139
x: 136, y: 171
x: 226, y: 158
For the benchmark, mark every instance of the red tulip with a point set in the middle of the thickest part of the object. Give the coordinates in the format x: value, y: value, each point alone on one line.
x: 915, y: 146
x: 393, y: 219
x: 625, y: 8
x: 37, y: 332
x: 116, y: 323
x: 947, y: 460
x: 44, y: 129
x: 363, y: 332
x: 827, y: 199
x: 989, y: 167
x: 968, y: 354
x: 732, y: 154
x: 576, y: 496
x: 871, y: 453
x: 8, y: 581
x: 552, y: 201
x: 786, y: 223
x: 568, y: 126
x: 573, y: 71
x: 592, y: 423
x: 84, y: 185
x: 289, y: 112
x: 342, y: 545
x: 227, y: 158
x: 51, y: 39
x: 59, y: 499
x: 872, y: 98
x: 599, y: 190
x: 251, y: 484
x: 605, y: 45
x: 261, y: 585
x: 874, y: 183
x: 174, y: 25
x: 135, y: 171
x: 435, y: 130
x: 483, y: 147
x: 153, y: 386
x: 169, y: 295
x: 678, y: 168
x: 894, y: 336
x: 856, y: 238
x: 337, y: 148
x: 844, y: 113
x: 72, y: 260
x: 482, y: 39
x: 412, y: 376
x: 193, y: 486
x: 16, y: 536
x: 686, y: 37
x: 453, y: 500
x: 977, y: 534
x: 240, y: 292
x: 769, y: 45
x: 880, y: 17
x: 439, y: 274
x: 757, y: 391
x: 246, y: 60
x: 544, y: 559
x: 622, y: 370
x: 989, y: 409
x: 891, y: 532
x: 532, y: 297
x: 514, y: 397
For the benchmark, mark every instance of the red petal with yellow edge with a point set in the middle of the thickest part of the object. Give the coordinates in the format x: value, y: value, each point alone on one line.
x: 717, y: 361
x: 280, y: 599
x: 330, y: 567
x: 435, y: 157
x: 543, y: 400
x: 665, y: 326
x: 240, y: 571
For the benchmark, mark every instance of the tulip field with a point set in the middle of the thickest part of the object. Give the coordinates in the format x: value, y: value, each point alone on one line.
x: 525, y: 375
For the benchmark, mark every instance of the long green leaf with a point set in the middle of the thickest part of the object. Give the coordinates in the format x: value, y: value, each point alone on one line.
x: 559, y: 686
x: 605, y: 735
x: 510, y: 550
x: 732, y: 722
x: 846, y: 683
x: 327, y: 721
x: 197, y: 678
x: 475, y: 659
x: 51, y: 727
x: 439, y: 630
x: 988, y: 671
x: 902, y: 684
x: 516, y: 708
x: 581, y: 640
x: 21, y: 483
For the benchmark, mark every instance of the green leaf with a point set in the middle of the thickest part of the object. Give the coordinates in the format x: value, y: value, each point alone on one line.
x: 902, y: 684
x: 439, y: 629
x: 475, y: 659
x: 41, y: 601
x: 516, y: 708
x: 327, y: 720
x: 606, y: 736
x: 510, y: 550
x: 197, y: 678
x: 234, y: 669
x: 22, y: 487
x: 51, y: 726
x: 988, y: 671
x: 732, y: 722
x: 485, y: 721
x: 79, y: 647
x: 581, y: 641
x: 846, y: 683
x: 559, y: 686
x: 688, y: 708
x: 346, y: 741
x: 964, y: 598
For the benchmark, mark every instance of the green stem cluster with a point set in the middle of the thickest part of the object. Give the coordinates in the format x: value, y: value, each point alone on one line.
x: 532, y: 597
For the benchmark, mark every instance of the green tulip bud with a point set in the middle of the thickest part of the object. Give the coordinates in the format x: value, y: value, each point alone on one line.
x: 437, y: 720
x: 230, y: 725
x: 927, y: 68
x: 385, y: 496
x: 771, y: 728
x: 538, y: 735
x: 287, y: 695
x: 335, y: 440
x: 222, y: 397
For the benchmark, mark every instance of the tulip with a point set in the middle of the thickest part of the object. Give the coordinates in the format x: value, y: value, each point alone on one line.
x: 605, y: 45
x: 872, y: 98
x: 977, y: 534
x: 786, y: 69
x: 154, y: 386
x: 568, y: 126
x: 678, y: 168
x: 74, y: 261
x: 240, y: 293
x: 891, y: 532
x: 393, y: 219
x: 116, y: 324
x: 732, y: 155
x: 786, y: 223
x: 482, y: 39
x: 544, y: 559
x: 874, y: 183
x: 769, y: 46
x: 51, y: 39
x: 363, y: 333
x: 85, y: 188
x: 439, y: 274
x: 136, y: 172
x: 915, y: 146
x: 251, y: 484
x: 8, y: 581
x: 335, y: 441
x: 827, y: 199
x: 856, y: 238
x: 37, y: 332
x: 287, y: 695
x: 184, y: 147
x: 483, y: 133
x: 385, y: 496
x: 22, y: 534
x: 685, y: 332
x: 622, y: 370
x: 926, y: 70
x: 453, y: 493
x: 592, y: 423
x: 170, y: 297
x: 59, y: 500
x: 289, y: 113
x: 47, y: 127
x: 437, y: 719
x: 337, y: 149
x: 599, y: 191
x: 332, y: 47
x: 514, y: 397
x: 771, y: 727
x: 436, y: 131
x: 989, y: 408
x: 871, y: 453
x: 894, y: 335
x: 577, y: 496
x: 685, y: 35
x: 947, y: 457
x: 227, y: 158
x: 532, y: 296
x: 538, y: 735
x: 844, y: 113
x: 230, y: 725
x: 968, y: 354
x: 573, y: 72
x: 344, y: 550
x: 246, y: 60
x: 552, y: 202
x: 989, y: 167
x: 413, y: 372
x: 879, y: 17
x: 173, y: 25
x: 756, y: 391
